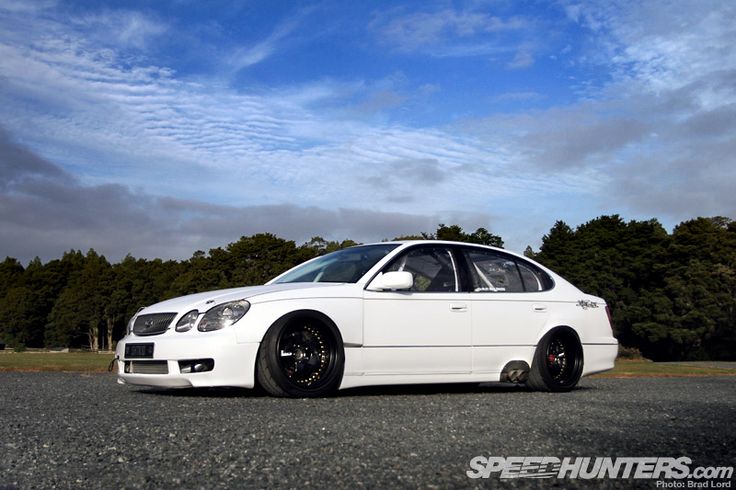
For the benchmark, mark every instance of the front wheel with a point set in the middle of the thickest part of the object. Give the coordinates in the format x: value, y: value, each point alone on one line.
x: 558, y: 362
x: 301, y: 357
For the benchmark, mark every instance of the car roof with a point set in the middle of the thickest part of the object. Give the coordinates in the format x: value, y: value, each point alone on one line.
x: 436, y: 242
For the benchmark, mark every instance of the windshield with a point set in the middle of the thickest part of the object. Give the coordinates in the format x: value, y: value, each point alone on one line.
x: 346, y: 265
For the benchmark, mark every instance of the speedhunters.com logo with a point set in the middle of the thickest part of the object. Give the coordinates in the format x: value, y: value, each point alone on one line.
x: 669, y: 472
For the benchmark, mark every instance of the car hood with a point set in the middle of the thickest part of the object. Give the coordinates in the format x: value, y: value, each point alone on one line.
x: 205, y: 301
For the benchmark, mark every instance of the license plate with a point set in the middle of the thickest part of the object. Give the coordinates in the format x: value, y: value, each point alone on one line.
x: 139, y: 351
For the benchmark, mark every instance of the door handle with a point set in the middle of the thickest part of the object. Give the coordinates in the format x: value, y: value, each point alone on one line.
x: 539, y: 307
x: 458, y: 307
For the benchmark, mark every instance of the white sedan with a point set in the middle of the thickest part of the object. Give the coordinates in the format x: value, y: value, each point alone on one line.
x: 386, y: 313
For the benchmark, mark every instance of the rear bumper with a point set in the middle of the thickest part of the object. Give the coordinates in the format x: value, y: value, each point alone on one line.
x: 599, y: 357
x: 234, y: 363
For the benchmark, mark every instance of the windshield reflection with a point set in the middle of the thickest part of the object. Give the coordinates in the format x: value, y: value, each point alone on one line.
x: 347, y: 265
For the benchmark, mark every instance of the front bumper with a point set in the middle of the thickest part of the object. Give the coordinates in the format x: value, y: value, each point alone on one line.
x: 234, y: 363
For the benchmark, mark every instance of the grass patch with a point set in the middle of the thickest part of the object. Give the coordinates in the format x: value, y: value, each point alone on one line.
x: 78, y: 362
x: 642, y: 368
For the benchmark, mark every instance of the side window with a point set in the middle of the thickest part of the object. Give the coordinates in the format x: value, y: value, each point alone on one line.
x: 492, y: 271
x: 534, y: 280
x: 433, y: 269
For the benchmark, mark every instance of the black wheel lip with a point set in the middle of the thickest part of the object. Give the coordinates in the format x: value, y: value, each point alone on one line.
x: 324, y: 377
x: 275, y: 382
x: 572, y: 348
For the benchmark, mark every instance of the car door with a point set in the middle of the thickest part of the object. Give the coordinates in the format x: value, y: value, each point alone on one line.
x: 424, y: 330
x: 509, y: 305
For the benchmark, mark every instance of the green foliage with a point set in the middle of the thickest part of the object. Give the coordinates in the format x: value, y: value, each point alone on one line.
x: 138, y: 282
x: 79, y: 311
x: 82, y: 300
x: 17, y: 315
x: 455, y: 233
x: 11, y: 273
x: 672, y: 296
x: 629, y: 353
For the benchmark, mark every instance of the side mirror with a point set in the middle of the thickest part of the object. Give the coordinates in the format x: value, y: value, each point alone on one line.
x: 392, y: 280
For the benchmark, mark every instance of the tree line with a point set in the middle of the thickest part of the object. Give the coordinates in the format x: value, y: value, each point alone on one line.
x: 672, y: 295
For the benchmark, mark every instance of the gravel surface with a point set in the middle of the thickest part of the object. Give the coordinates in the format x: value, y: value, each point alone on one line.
x: 84, y: 431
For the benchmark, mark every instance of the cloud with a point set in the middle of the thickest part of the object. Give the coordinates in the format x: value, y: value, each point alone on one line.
x: 424, y: 172
x: 18, y: 163
x: 410, y: 32
x: 650, y: 133
x: 120, y: 28
x: 447, y: 32
x: 675, y: 74
x: 251, y: 55
x: 380, y: 101
x: 524, y: 58
x: 517, y: 96
x: 663, y: 48
x: 320, y: 143
x: 44, y: 211
x: 658, y: 139
x: 26, y: 6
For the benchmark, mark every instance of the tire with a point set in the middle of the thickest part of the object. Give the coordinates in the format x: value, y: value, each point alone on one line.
x: 558, y: 361
x: 300, y: 357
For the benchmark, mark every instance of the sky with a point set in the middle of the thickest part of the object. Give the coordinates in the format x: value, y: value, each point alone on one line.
x: 157, y: 128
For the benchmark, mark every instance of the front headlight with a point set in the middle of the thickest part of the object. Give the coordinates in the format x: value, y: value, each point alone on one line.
x: 223, y: 315
x: 131, y: 322
x: 187, y: 321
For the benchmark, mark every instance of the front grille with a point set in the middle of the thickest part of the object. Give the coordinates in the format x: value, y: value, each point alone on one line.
x: 147, y: 367
x: 154, y: 324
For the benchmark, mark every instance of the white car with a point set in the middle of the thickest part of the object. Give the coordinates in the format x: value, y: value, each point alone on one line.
x: 386, y: 313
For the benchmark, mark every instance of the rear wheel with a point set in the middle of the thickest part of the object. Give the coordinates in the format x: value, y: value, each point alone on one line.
x: 558, y: 361
x: 300, y: 357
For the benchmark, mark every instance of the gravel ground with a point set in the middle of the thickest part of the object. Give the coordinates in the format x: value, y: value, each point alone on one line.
x: 84, y: 431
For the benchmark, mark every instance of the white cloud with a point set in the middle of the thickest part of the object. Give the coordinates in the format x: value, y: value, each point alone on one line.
x: 662, y: 46
x: 447, y: 32
x: 517, y: 96
x: 417, y: 30
x: 26, y: 6
x: 524, y: 58
x: 44, y: 211
x: 162, y: 134
x: 119, y: 28
x: 251, y: 55
x: 657, y: 138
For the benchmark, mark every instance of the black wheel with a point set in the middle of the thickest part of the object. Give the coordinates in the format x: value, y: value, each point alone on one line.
x: 300, y: 357
x: 558, y: 362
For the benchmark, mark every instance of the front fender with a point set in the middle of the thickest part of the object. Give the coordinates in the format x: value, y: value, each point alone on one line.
x: 345, y: 314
